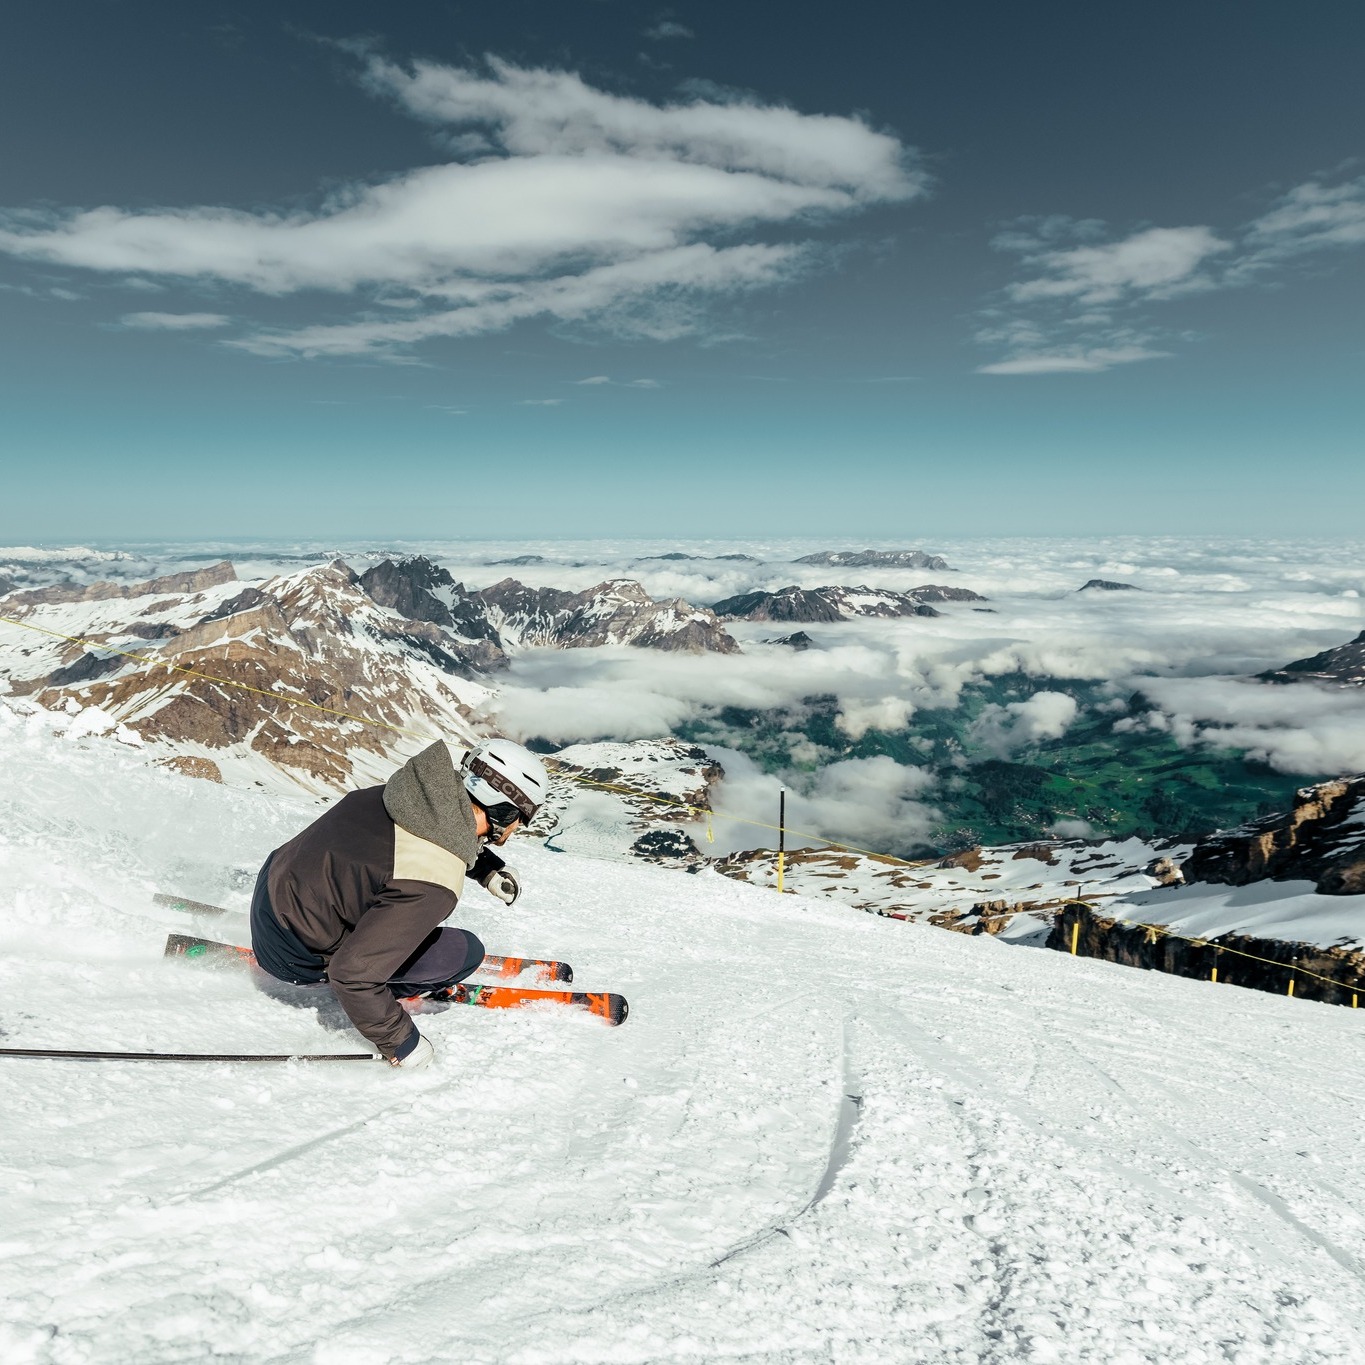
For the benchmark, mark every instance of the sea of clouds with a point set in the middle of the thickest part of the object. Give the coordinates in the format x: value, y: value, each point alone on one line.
x: 1206, y: 617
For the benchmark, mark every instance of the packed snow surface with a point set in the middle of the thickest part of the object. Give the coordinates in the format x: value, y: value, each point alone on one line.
x: 821, y: 1136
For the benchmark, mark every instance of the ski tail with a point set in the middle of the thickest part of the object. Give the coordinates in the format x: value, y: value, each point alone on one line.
x: 188, y: 906
x: 544, y: 971
x: 205, y: 949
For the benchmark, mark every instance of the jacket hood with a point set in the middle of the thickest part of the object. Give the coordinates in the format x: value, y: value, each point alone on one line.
x: 427, y: 797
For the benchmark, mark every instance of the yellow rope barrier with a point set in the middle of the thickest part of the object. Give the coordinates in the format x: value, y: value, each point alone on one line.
x: 1153, y: 932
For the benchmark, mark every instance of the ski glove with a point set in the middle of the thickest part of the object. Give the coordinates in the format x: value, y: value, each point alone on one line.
x: 420, y: 1056
x: 502, y: 882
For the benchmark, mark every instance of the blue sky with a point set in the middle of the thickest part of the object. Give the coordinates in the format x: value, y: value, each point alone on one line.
x: 595, y: 267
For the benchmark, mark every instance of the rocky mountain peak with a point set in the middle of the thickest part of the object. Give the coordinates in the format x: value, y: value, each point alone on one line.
x: 1343, y: 666
x: 617, y: 611
x: 408, y: 586
x: 835, y: 603
x: 876, y: 559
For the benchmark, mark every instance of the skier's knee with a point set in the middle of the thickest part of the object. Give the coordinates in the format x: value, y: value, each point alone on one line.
x: 474, y: 954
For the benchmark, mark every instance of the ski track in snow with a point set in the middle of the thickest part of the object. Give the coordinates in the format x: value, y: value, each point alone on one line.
x: 821, y: 1136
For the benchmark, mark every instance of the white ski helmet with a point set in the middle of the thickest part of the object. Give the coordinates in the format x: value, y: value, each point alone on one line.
x: 509, y: 782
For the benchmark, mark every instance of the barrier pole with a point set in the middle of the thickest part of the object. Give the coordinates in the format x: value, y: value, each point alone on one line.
x: 781, y: 834
x: 1075, y: 934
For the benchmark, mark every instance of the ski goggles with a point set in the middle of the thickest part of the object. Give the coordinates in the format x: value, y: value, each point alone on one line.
x: 522, y: 806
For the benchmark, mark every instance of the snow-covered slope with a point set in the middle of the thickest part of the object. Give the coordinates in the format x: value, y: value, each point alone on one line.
x: 980, y: 890
x: 631, y: 800
x: 1043, y: 1158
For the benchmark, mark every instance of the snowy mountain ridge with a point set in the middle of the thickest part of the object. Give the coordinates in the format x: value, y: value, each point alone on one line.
x: 402, y: 646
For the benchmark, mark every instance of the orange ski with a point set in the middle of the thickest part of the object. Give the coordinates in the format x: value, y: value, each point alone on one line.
x: 186, y: 945
x: 605, y: 1004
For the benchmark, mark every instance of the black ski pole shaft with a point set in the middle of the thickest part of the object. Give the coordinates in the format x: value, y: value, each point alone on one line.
x: 188, y: 1056
x: 781, y: 834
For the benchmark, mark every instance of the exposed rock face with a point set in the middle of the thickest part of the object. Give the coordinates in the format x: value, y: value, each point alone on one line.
x: 617, y: 612
x: 787, y: 604
x: 408, y: 586
x: 1343, y: 666
x: 798, y: 641
x: 862, y: 601
x: 313, y: 635
x: 1322, y: 840
x: 1104, y: 585
x: 936, y: 592
x: 1268, y: 967
x: 676, y: 555
x: 420, y: 590
x: 6, y: 585
x: 192, y: 765
x: 519, y: 562
x: 171, y: 584
x: 835, y: 603
x: 876, y: 559
x: 1165, y: 872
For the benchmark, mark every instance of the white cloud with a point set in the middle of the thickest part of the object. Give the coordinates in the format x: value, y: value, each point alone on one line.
x: 533, y: 112
x: 1295, y: 728
x: 1003, y: 730
x: 1078, y: 361
x: 859, y: 715
x: 175, y: 322
x: 601, y: 380
x: 1072, y: 829
x: 566, y: 715
x: 667, y: 28
x: 870, y: 802
x: 1311, y: 217
x: 1083, y: 304
x: 570, y: 203
x: 1153, y: 263
x: 540, y: 402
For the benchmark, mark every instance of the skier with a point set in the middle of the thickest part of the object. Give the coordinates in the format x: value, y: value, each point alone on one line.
x: 356, y: 898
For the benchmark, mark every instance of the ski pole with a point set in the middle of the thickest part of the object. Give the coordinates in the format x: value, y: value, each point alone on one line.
x: 189, y: 1056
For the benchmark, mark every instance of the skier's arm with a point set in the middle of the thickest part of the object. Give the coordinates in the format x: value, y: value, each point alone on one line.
x: 485, y: 865
x: 389, y: 933
x: 496, y: 877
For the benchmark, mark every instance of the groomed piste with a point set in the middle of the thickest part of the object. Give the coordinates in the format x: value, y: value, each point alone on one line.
x: 822, y: 1135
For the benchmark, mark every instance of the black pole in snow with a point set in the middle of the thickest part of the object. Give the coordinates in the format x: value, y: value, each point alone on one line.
x: 781, y: 834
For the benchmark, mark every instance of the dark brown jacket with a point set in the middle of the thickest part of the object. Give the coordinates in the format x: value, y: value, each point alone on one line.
x: 362, y: 890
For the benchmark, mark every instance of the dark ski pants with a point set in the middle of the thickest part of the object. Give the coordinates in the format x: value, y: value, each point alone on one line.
x: 444, y: 957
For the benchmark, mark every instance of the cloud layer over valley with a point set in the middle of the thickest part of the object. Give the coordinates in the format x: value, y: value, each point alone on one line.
x: 1040, y: 662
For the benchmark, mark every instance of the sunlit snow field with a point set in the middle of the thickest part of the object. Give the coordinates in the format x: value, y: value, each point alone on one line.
x: 1046, y: 1158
